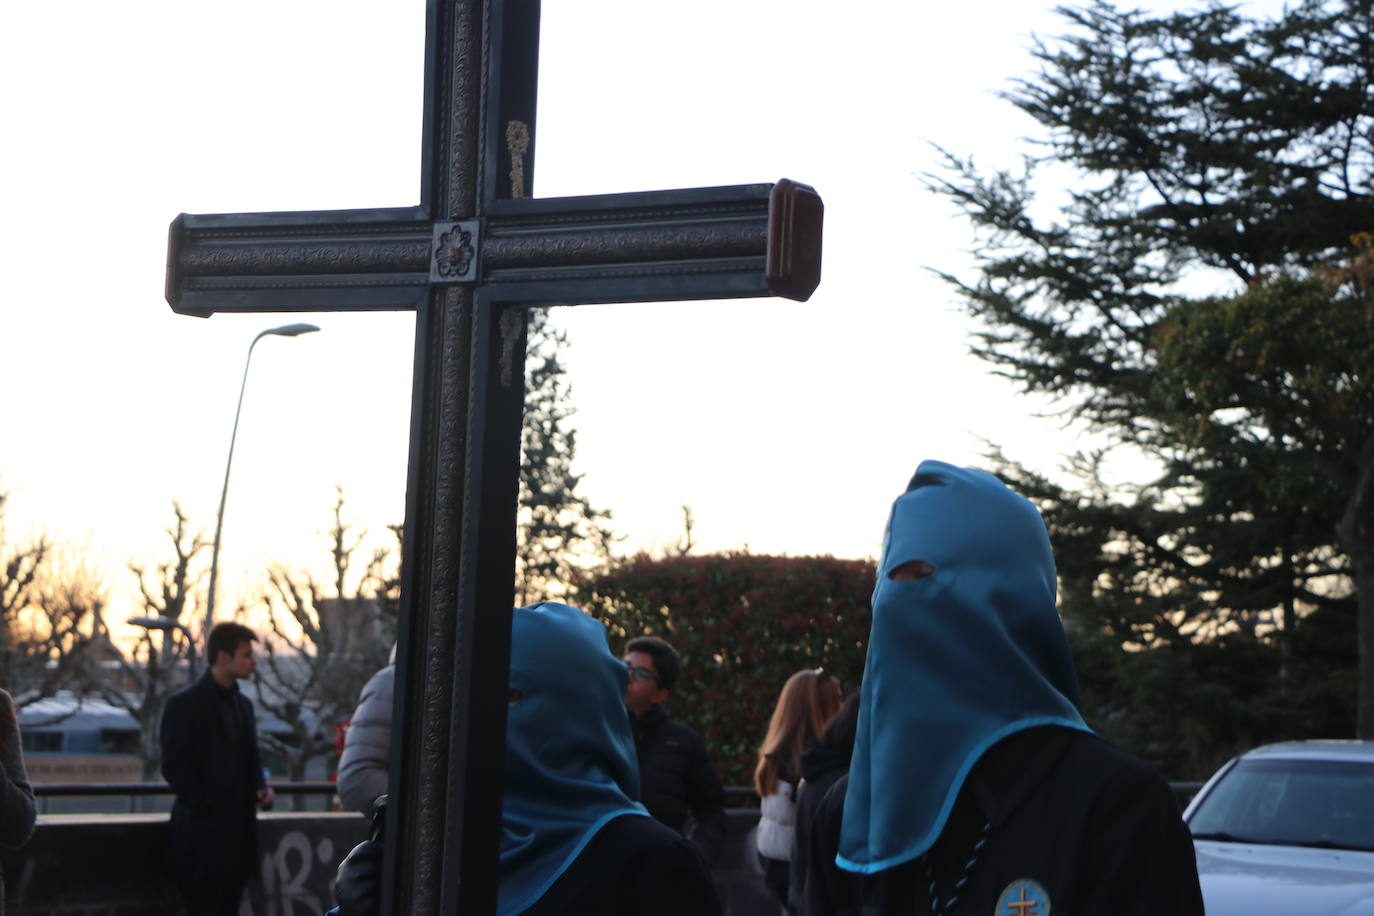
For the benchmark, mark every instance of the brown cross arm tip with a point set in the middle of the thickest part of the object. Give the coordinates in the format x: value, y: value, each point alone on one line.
x: 795, y: 214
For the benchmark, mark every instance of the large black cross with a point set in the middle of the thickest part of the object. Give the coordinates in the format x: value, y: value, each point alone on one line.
x: 475, y: 252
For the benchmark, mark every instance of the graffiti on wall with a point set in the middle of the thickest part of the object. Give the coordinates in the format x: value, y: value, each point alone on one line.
x: 296, y: 877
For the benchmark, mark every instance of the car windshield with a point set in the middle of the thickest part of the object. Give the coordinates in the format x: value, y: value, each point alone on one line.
x: 1324, y: 803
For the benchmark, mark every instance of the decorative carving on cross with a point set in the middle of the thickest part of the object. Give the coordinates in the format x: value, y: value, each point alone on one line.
x: 455, y: 252
x: 517, y: 143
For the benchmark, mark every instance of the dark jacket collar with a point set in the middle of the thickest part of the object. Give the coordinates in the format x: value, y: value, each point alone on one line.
x: 656, y: 716
x: 209, y: 683
x: 820, y: 758
x: 1012, y: 768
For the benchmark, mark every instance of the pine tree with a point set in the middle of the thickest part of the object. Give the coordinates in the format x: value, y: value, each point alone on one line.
x: 1219, y: 153
x: 558, y: 529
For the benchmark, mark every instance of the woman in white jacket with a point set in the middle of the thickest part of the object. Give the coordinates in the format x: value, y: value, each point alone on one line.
x: 807, y: 701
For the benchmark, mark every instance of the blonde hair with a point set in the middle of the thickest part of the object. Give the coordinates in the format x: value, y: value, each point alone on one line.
x: 807, y: 701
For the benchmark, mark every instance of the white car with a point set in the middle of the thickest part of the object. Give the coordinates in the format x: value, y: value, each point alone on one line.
x: 1288, y: 830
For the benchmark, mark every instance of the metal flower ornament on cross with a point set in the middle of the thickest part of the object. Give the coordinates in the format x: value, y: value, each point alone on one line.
x: 455, y: 253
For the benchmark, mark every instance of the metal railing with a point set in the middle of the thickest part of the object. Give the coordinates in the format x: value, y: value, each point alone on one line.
x: 735, y: 796
x: 746, y: 797
x: 42, y: 789
x: 134, y: 791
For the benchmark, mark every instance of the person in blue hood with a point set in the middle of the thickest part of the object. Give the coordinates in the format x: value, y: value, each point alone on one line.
x: 975, y: 785
x: 573, y: 837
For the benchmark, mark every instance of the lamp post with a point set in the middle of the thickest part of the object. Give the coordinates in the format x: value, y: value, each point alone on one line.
x: 286, y: 330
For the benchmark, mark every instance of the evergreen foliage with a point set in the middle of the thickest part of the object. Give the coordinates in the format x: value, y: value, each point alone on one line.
x: 1232, y: 155
x: 558, y: 529
x: 743, y: 624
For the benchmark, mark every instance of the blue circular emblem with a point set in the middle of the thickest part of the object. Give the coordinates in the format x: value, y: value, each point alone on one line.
x: 1023, y: 898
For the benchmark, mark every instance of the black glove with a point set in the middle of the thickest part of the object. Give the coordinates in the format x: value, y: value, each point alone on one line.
x: 358, y: 883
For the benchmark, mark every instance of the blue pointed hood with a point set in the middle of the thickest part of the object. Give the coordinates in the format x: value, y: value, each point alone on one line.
x: 570, y: 754
x: 956, y: 661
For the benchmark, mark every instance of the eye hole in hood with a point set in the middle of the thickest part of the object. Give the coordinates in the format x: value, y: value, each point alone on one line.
x: 910, y: 571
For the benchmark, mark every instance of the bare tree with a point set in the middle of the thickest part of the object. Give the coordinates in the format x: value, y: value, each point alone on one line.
x: 61, y: 634
x: 689, y: 523
x: 326, y: 640
x: 48, y: 618
x: 19, y: 567
x: 163, y: 659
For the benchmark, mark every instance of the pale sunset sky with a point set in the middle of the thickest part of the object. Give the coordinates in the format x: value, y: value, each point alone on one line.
x: 787, y: 427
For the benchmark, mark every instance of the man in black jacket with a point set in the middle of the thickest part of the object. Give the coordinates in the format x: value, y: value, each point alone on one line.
x: 676, y: 780
x: 210, y: 758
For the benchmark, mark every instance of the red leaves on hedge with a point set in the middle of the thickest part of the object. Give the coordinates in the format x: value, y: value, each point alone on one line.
x: 743, y: 624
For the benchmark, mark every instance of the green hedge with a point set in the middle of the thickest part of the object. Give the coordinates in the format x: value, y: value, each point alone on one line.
x: 743, y: 624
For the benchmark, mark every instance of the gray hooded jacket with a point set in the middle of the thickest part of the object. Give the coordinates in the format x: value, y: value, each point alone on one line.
x: 363, y: 766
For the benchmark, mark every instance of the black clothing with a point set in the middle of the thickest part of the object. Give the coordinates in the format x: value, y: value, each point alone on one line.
x: 210, y: 758
x: 775, y: 876
x: 217, y: 894
x: 822, y: 765
x: 226, y: 704
x: 677, y: 782
x: 633, y: 866
x: 1098, y: 830
x: 819, y: 886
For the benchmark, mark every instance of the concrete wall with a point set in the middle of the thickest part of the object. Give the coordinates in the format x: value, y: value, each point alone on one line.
x: 114, y: 865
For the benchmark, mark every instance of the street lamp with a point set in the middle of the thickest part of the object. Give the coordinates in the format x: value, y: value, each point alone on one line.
x: 170, y: 623
x: 286, y: 330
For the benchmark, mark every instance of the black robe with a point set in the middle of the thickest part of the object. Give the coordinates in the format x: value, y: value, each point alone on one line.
x: 634, y: 866
x: 1067, y: 813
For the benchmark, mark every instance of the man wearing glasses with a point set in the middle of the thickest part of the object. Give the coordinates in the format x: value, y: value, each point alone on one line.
x: 676, y: 780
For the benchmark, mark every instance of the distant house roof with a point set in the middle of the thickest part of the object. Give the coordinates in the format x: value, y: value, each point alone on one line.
x: 65, y: 711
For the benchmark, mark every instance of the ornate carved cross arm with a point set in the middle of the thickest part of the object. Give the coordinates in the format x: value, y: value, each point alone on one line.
x: 747, y: 240
x: 298, y: 262
x: 739, y: 241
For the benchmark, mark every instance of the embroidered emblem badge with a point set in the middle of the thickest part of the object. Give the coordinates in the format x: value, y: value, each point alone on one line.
x: 1023, y: 898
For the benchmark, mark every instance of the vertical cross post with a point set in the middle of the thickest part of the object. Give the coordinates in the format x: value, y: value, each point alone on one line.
x: 459, y: 560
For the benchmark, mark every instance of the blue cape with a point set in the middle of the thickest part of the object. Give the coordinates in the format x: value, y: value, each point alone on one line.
x: 956, y: 661
x: 570, y: 755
